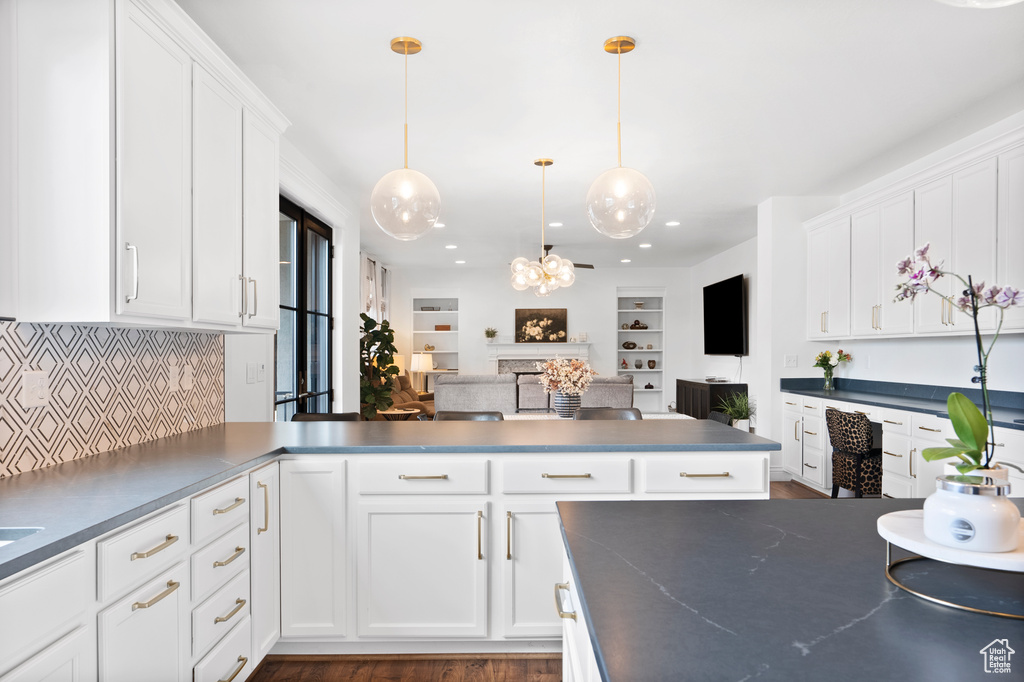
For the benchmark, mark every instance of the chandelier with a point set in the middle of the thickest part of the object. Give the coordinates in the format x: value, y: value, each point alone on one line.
x: 620, y: 203
x: 549, y: 272
x: 405, y: 203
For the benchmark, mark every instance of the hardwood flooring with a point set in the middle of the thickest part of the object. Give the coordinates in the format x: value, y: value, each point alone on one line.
x: 791, y: 490
x: 450, y: 668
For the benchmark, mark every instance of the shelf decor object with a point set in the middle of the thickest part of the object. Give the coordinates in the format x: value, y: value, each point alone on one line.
x: 621, y: 201
x: 550, y: 272
x: 905, y: 529
x: 405, y: 203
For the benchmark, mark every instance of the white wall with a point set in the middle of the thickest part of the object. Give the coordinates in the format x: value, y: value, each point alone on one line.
x: 8, y: 161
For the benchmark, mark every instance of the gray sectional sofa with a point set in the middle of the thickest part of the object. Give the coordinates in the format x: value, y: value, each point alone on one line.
x: 504, y: 393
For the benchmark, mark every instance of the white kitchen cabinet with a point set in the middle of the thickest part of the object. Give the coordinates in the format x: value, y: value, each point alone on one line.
x: 792, y: 441
x: 974, y: 234
x: 1011, y: 230
x: 314, y: 579
x: 933, y: 224
x: 229, y: 660
x: 72, y: 658
x: 265, y: 561
x: 217, y: 280
x: 260, y: 241
x: 880, y: 237
x: 146, y: 632
x: 423, y: 569
x: 530, y: 563
x: 828, y: 280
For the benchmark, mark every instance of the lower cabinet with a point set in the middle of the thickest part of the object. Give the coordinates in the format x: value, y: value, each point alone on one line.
x: 265, y: 562
x: 578, y: 661
x: 72, y: 658
x: 530, y: 561
x: 229, y: 660
x: 423, y: 569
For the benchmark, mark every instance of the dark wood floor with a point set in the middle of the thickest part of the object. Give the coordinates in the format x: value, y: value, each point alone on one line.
x: 791, y: 490
x: 495, y: 668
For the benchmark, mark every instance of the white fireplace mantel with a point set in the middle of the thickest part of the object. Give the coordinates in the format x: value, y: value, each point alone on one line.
x: 534, y: 351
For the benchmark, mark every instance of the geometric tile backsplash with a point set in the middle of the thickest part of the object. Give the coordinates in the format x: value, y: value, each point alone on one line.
x: 109, y: 387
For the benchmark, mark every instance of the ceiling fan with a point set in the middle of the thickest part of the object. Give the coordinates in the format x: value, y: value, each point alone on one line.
x: 586, y: 266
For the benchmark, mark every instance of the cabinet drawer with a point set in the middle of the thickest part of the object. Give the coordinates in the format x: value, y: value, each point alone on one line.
x: 896, y: 454
x: 218, y: 614
x: 814, y: 434
x: 230, y: 660
x: 828, y: 404
x: 427, y: 476
x: 791, y: 402
x: 220, y: 561
x: 812, y: 406
x: 219, y: 509
x: 45, y: 600
x: 1010, y: 448
x: 706, y: 473
x: 930, y: 427
x: 814, y: 466
x: 585, y: 475
x: 895, y: 421
x: 895, y: 486
x: 128, y: 558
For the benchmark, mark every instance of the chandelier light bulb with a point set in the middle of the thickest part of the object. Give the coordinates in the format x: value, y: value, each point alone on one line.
x: 519, y: 282
x: 520, y: 264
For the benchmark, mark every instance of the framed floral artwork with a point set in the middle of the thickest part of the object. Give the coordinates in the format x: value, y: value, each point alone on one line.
x: 541, y: 325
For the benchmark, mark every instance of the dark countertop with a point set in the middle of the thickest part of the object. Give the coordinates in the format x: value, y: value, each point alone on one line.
x: 1006, y: 406
x: 79, y: 500
x: 772, y: 590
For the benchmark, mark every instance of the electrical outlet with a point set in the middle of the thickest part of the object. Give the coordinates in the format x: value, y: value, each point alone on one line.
x: 261, y: 373
x: 187, y: 380
x: 790, y: 361
x: 35, y: 392
x: 250, y: 372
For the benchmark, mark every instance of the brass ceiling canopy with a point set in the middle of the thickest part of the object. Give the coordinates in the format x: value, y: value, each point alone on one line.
x: 407, y: 45
x: 619, y: 45
x: 543, y: 162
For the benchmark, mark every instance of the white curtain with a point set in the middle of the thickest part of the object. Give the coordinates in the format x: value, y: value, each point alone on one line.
x: 375, y: 288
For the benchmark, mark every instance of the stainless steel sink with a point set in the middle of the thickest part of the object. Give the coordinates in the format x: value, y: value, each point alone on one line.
x: 9, y: 535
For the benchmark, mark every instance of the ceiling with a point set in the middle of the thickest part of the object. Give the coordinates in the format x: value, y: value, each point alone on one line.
x: 724, y: 104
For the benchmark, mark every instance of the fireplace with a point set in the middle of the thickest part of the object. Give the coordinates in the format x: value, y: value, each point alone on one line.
x: 522, y: 358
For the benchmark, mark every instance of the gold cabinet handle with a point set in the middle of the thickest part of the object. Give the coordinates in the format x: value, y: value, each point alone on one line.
x: 833, y: 407
x: 508, y: 535
x: 796, y: 430
x: 479, y: 535
x: 724, y: 474
x: 239, y: 551
x: 810, y: 407
x: 925, y: 428
x: 822, y: 322
x: 242, y: 660
x: 239, y: 501
x: 789, y: 403
x: 222, y: 619
x: 891, y: 454
x: 266, y: 507
x: 565, y: 476
x: 558, y: 602
x: 168, y: 541
x: 810, y: 433
x: 826, y: 322
x: 859, y: 412
x: 171, y: 587
x: 889, y: 496
x: 890, y: 422
x: 441, y: 477
x: 810, y: 466
x: 912, y: 451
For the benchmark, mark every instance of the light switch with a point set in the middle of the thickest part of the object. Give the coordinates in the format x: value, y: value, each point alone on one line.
x: 790, y: 361
x: 250, y: 372
x: 261, y: 373
x: 35, y: 392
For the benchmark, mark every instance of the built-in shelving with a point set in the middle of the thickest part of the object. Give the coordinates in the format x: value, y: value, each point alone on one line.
x: 644, y: 306
x: 445, y: 342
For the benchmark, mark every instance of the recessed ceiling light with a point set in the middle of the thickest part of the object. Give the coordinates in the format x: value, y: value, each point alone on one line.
x: 442, y: 224
x: 672, y: 223
x: 645, y: 246
x: 460, y: 262
x: 625, y: 260
x: 554, y: 224
x: 451, y: 246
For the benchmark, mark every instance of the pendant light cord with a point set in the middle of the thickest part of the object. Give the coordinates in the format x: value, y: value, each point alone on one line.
x: 543, y: 184
x: 619, y: 114
x: 407, y: 109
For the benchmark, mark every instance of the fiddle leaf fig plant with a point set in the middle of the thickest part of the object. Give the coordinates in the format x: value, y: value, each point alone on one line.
x: 377, y: 370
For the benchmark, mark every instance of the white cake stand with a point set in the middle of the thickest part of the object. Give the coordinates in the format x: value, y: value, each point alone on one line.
x: 906, y: 529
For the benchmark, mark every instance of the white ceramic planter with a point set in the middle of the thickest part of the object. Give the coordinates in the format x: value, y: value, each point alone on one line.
x: 741, y: 424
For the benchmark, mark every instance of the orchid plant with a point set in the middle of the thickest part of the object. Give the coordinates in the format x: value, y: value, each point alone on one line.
x: 975, y: 431
x: 571, y: 377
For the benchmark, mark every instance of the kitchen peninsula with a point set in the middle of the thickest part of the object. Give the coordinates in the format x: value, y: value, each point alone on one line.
x: 394, y: 536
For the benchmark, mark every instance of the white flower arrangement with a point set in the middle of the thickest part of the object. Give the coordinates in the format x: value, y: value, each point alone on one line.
x: 571, y: 377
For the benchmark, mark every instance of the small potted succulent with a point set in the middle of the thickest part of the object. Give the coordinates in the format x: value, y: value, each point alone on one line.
x: 491, y: 333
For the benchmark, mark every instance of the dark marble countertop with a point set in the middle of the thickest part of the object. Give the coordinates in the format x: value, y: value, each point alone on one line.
x: 1007, y: 407
x: 79, y: 500
x: 773, y: 590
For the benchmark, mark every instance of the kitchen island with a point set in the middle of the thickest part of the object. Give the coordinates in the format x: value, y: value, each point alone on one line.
x: 781, y: 590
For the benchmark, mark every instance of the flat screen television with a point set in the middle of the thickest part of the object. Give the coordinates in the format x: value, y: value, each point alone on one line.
x: 725, y: 317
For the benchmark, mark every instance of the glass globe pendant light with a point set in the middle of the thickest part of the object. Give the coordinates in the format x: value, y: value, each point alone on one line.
x: 405, y: 203
x: 621, y: 201
x: 549, y: 272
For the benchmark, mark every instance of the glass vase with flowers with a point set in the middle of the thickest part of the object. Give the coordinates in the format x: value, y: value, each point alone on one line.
x: 829, y: 362
x: 568, y: 379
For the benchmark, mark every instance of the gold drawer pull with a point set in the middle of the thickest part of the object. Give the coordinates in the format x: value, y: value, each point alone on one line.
x: 889, y: 422
x: 442, y: 477
x: 891, y: 454
x: 221, y: 619
x: 810, y: 407
x: 239, y: 501
x: 508, y: 535
x: 266, y: 507
x: 811, y: 433
x: 832, y: 407
x: 168, y: 541
x: 479, y: 536
x: 565, y: 476
x: 171, y: 587
x: 810, y: 466
x: 859, y: 412
x: 925, y: 428
x: 558, y: 602
x: 889, y: 496
x: 724, y: 474
x: 242, y: 660
x: 789, y: 403
x: 239, y: 551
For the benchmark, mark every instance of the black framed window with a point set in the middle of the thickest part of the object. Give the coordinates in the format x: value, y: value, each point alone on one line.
x: 304, y: 339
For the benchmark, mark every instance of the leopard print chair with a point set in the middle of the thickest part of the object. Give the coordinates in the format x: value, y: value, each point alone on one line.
x: 856, y: 465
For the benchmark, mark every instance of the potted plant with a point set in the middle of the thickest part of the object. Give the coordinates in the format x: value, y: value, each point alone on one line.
x: 568, y: 380
x: 974, y: 445
x: 491, y: 333
x: 739, y: 408
x: 829, y: 362
x: 377, y: 368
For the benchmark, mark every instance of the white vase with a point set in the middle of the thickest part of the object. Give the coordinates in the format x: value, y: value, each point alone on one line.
x: 741, y: 424
x: 966, y: 512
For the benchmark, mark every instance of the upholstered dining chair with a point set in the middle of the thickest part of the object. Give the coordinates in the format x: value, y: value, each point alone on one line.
x: 627, y: 413
x: 326, y: 417
x: 856, y: 464
x: 467, y: 416
x: 720, y: 417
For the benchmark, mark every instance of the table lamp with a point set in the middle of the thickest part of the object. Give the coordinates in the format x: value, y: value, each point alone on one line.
x: 422, y: 362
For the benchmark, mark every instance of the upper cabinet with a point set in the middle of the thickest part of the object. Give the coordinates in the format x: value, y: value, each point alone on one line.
x: 146, y: 183
x: 828, y: 280
x: 880, y: 236
x: 1010, y: 266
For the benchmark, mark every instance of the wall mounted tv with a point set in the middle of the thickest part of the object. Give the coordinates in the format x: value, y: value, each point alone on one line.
x: 725, y: 317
